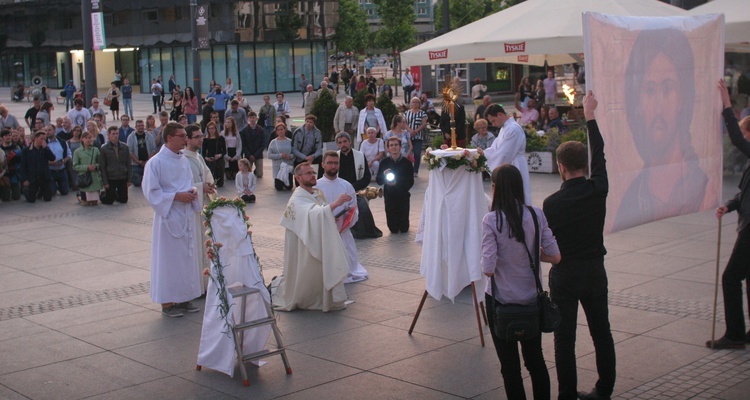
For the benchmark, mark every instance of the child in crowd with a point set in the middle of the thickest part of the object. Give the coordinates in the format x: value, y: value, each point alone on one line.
x: 245, y: 181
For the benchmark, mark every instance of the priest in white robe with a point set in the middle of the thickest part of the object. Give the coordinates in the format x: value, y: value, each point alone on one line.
x: 347, y: 214
x: 509, y: 147
x: 315, y: 260
x: 203, y: 181
x: 168, y: 187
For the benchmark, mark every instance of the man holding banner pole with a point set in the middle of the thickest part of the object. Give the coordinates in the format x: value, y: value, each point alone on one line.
x: 738, y: 265
x: 576, y: 216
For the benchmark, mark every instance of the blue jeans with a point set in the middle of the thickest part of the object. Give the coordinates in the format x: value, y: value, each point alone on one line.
x: 267, y: 136
x: 584, y: 281
x: 137, y: 176
x: 59, y: 182
x: 157, y: 103
x: 191, y: 118
x: 128, y: 107
x: 69, y: 102
x: 417, y: 145
x: 737, y: 269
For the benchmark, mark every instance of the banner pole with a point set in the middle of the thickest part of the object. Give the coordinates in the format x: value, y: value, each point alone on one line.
x: 716, y: 286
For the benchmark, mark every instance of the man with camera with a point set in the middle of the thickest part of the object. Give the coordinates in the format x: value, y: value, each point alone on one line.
x: 397, y: 174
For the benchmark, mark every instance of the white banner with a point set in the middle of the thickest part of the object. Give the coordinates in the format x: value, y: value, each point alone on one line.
x: 97, y: 29
x: 656, y: 82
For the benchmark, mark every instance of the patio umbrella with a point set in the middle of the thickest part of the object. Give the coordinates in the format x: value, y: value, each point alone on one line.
x: 736, y: 20
x: 531, y: 32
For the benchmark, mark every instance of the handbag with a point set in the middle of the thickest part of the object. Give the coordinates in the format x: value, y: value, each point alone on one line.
x: 85, y: 179
x: 107, y: 100
x: 520, y: 322
x: 549, y: 313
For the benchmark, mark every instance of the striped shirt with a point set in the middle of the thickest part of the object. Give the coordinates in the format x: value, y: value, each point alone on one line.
x: 414, y: 120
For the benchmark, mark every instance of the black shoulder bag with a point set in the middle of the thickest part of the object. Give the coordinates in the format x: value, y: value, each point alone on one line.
x: 84, y: 178
x: 514, y: 322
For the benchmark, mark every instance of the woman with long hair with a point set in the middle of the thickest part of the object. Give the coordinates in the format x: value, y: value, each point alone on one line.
x: 234, y: 147
x: 150, y: 124
x: 508, y: 243
x: 93, y: 128
x: 399, y: 130
x: 75, y: 141
x: 191, y: 105
x: 213, y: 152
x: 543, y: 118
x: 114, y: 97
x: 45, y: 113
x: 525, y: 90
x: 361, y: 84
x: 177, y: 106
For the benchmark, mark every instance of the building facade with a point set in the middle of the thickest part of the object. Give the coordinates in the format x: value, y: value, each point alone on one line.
x: 263, y: 46
x: 423, y: 10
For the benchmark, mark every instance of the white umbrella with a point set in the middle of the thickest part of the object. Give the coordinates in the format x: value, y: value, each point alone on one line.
x: 736, y: 19
x: 531, y: 32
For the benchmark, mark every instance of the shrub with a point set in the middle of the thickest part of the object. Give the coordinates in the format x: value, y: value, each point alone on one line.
x: 324, y: 109
x: 387, y: 107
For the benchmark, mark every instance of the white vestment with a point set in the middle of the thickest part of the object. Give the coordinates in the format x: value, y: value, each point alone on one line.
x: 332, y: 189
x: 217, y: 348
x: 201, y: 174
x: 509, y: 147
x: 174, y: 255
x: 315, y: 260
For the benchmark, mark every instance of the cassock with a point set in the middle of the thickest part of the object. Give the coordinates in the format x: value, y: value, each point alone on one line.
x: 509, y: 147
x: 217, y: 348
x: 201, y: 174
x: 314, y: 269
x: 353, y: 169
x: 332, y: 189
x: 174, y: 255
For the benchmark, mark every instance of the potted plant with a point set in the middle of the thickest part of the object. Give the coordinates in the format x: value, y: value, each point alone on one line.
x: 541, y: 148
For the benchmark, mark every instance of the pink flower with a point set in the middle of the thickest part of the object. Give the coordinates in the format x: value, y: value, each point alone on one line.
x: 207, y: 243
x: 218, y: 245
x: 205, y: 271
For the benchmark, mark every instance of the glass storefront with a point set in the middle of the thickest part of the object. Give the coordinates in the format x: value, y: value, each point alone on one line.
x: 254, y: 68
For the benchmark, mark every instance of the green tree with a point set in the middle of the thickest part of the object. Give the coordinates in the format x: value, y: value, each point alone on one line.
x: 387, y: 107
x: 325, y: 109
x: 352, y: 30
x: 398, y: 31
x: 288, y: 21
x: 464, y: 12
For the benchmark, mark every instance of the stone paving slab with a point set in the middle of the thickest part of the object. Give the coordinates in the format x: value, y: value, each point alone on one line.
x: 77, y: 321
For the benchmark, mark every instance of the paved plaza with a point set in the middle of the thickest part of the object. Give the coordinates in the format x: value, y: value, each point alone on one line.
x: 77, y: 321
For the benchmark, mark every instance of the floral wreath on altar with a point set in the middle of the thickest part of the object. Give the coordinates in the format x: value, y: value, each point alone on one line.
x: 475, y: 163
x: 216, y: 274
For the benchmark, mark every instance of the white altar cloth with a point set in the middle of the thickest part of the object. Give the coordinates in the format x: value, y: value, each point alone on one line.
x: 217, y: 349
x: 450, y: 230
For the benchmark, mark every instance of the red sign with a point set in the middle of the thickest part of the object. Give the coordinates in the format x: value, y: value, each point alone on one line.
x: 436, y: 55
x: 523, y: 58
x: 515, y: 47
x: 416, y: 74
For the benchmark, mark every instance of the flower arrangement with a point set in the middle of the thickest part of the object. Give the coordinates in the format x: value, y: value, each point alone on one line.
x: 475, y: 163
x: 216, y: 275
x: 551, y: 139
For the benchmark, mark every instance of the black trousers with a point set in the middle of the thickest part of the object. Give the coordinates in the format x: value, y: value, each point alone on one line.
x: 583, y: 281
x: 38, y: 188
x: 510, y: 363
x: 118, y: 190
x: 397, y: 213
x: 738, y: 268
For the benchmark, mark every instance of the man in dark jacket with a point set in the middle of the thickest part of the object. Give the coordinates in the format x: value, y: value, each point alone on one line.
x: 114, y: 164
x: 253, y: 139
x: 35, y: 173
x: 738, y: 265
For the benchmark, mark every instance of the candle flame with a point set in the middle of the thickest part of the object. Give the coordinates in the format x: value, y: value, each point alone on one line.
x: 570, y: 93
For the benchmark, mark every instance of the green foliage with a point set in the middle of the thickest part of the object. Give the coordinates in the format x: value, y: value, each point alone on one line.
x: 551, y: 139
x: 325, y: 109
x: 359, y: 99
x: 352, y: 31
x: 743, y: 84
x: 464, y: 12
x: 437, y: 141
x: 398, y: 31
x: 288, y: 20
x: 387, y: 107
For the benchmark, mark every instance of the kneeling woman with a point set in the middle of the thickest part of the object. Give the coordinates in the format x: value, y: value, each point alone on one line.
x: 86, y: 159
x: 507, y: 246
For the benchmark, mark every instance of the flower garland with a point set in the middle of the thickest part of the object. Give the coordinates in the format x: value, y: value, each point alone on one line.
x: 475, y: 163
x: 212, y: 252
